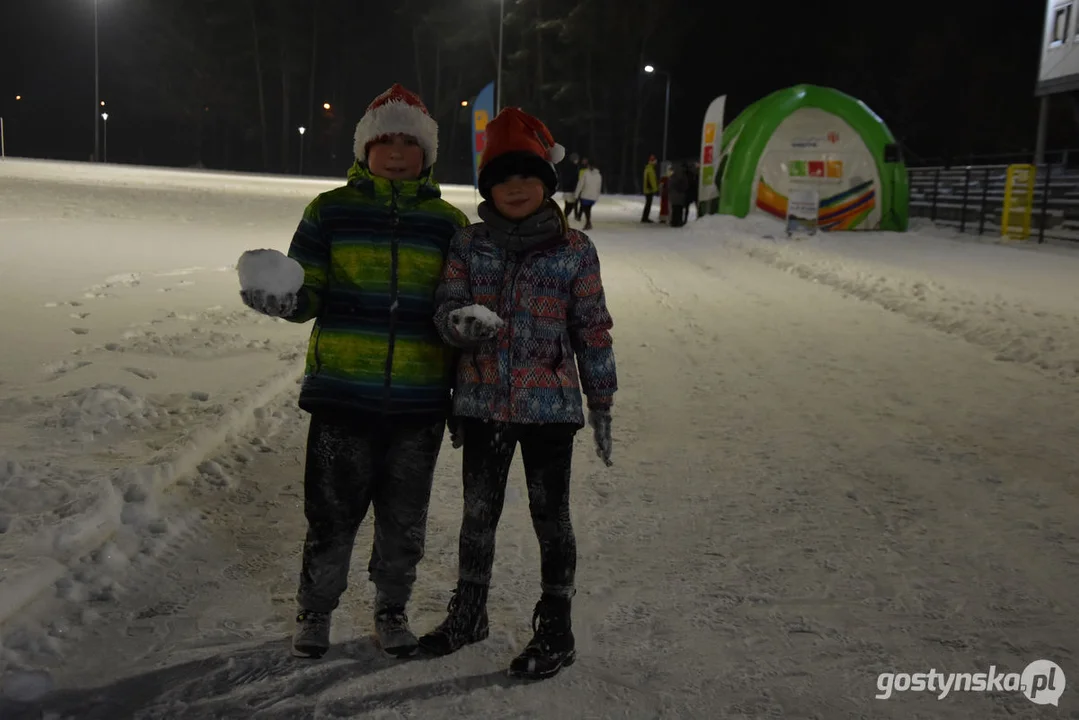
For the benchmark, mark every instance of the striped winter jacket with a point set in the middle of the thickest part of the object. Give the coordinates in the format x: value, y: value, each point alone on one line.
x: 372, y: 253
x: 556, y: 339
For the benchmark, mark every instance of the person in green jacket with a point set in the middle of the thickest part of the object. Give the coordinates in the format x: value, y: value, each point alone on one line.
x: 378, y: 376
x: 651, y: 187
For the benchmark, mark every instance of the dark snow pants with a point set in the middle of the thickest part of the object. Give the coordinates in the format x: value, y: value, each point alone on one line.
x: 350, y: 467
x: 647, y: 207
x: 678, y: 215
x: 547, y: 452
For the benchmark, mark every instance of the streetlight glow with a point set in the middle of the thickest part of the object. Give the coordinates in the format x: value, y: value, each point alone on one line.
x: 464, y: 103
x: 102, y: 103
x: 651, y: 69
x: 303, y: 130
x: 104, y: 116
x: 326, y: 106
x: 18, y: 97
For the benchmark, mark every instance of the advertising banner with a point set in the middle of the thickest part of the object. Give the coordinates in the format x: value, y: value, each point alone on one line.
x: 711, y: 144
x: 483, y: 111
x: 815, y: 150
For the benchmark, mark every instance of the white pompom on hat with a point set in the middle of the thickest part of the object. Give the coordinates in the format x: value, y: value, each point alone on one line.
x: 397, y: 111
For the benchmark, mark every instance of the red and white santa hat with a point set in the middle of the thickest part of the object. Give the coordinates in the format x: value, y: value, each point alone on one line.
x: 518, y: 144
x: 397, y: 111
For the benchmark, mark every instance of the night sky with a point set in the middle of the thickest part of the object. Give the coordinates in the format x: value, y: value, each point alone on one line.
x: 936, y: 73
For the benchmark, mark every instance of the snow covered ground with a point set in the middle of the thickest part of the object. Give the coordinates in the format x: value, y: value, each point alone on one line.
x: 834, y: 457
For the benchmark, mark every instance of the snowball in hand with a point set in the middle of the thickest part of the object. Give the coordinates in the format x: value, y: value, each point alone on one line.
x: 271, y: 271
x: 484, y: 314
x: 475, y: 323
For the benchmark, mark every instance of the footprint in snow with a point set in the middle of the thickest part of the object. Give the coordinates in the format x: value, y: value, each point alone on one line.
x: 80, y: 315
x: 63, y: 367
x: 80, y: 331
x: 144, y: 374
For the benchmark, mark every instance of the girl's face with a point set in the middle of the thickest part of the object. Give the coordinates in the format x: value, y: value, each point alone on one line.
x: 398, y: 157
x: 519, y: 196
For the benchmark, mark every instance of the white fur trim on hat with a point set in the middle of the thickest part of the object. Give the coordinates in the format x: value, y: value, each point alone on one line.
x: 556, y: 154
x: 398, y: 118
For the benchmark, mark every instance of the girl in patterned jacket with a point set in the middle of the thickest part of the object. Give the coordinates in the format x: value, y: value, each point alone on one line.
x: 521, y: 296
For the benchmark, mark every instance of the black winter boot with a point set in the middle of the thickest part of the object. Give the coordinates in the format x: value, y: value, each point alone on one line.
x: 552, y: 646
x: 465, y: 624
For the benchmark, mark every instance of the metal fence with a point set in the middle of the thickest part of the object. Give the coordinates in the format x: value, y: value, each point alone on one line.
x: 971, y: 198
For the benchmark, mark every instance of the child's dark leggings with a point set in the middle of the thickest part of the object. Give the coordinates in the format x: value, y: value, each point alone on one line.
x: 547, y: 452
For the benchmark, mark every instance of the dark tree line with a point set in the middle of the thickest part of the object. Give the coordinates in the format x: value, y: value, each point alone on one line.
x: 226, y: 83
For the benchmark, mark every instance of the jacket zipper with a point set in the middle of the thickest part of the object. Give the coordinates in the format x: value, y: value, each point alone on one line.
x: 393, y: 298
x: 513, y: 311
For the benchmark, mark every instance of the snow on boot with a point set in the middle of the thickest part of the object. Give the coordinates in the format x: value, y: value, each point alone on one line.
x: 312, y: 636
x: 552, y: 646
x: 394, y: 635
x: 466, y: 622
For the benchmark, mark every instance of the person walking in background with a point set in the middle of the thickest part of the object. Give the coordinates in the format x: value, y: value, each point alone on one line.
x: 693, y: 173
x: 567, y: 182
x: 665, y: 194
x: 678, y: 192
x: 589, y: 188
x: 578, y: 210
x: 651, y: 187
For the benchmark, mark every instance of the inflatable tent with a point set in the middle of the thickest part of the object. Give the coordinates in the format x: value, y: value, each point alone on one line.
x: 816, y: 139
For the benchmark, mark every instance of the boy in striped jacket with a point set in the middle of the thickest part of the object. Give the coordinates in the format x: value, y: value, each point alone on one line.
x: 521, y: 296
x: 377, y: 378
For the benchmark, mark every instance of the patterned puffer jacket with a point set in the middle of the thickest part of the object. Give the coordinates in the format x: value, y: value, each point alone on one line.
x: 543, y: 281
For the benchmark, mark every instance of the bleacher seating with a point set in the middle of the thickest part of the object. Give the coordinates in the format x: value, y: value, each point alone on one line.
x: 938, y: 193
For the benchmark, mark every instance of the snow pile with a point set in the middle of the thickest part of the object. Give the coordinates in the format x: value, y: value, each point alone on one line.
x: 271, y: 271
x: 131, y: 359
x: 103, y: 409
x: 1023, y: 309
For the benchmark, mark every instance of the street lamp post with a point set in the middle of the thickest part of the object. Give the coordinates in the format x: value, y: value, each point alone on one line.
x: 650, y: 69
x: 97, y: 91
x: 498, y: 84
x: 302, y: 131
x: 105, y: 118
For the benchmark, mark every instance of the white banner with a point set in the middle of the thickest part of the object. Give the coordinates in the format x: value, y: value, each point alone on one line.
x: 711, y: 146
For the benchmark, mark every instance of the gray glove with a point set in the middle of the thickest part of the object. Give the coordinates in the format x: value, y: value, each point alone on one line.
x: 600, y: 422
x: 260, y: 301
x: 471, y: 328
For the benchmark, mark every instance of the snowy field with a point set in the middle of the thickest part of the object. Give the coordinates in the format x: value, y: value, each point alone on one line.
x: 834, y: 457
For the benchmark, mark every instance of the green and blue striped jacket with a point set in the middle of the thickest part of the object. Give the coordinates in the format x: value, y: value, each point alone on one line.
x: 372, y: 253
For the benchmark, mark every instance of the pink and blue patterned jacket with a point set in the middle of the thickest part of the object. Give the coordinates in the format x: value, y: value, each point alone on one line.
x: 555, y: 341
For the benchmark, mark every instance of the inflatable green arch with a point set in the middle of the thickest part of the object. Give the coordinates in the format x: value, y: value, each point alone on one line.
x: 819, y: 139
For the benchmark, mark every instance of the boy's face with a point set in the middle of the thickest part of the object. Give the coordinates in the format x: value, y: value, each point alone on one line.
x: 518, y: 196
x: 398, y: 157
